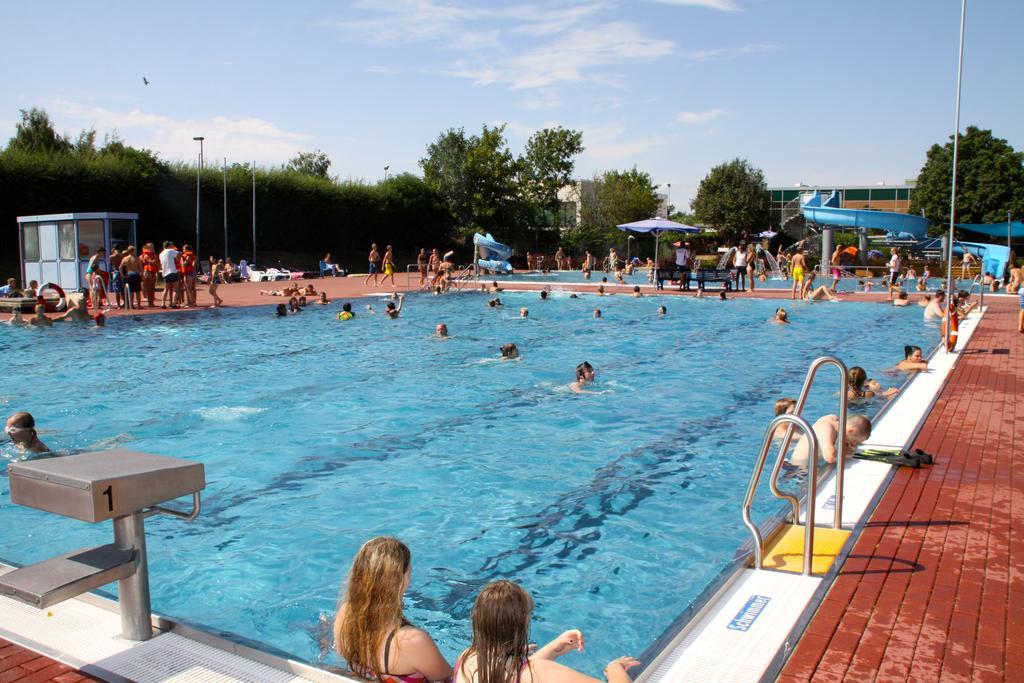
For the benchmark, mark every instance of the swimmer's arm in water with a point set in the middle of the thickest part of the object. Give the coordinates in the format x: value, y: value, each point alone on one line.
x: 567, y: 642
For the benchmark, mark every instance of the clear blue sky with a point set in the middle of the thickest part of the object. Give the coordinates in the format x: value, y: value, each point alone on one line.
x: 818, y: 92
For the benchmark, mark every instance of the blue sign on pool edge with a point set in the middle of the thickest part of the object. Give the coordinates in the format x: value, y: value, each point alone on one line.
x: 749, y: 613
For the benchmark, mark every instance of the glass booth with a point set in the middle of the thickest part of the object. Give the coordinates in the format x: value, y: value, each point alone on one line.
x: 57, y: 248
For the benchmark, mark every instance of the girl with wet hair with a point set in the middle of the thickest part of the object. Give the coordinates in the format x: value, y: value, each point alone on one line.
x: 371, y: 632
x: 501, y: 644
x: 913, y: 360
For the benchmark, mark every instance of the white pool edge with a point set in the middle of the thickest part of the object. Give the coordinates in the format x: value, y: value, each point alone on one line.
x: 708, y: 647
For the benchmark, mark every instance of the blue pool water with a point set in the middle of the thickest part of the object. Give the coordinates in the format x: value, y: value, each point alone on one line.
x: 639, y: 277
x: 614, y: 509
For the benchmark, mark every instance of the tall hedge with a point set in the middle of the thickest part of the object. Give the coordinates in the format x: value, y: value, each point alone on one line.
x: 295, y: 212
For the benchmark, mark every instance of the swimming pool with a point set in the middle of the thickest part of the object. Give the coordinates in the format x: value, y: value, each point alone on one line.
x: 614, y: 509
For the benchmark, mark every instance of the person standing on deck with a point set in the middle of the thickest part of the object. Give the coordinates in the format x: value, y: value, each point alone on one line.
x: 799, y: 265
x: 188, y: 274
x: 751, y: 265
x: 389, y: 265
x: 434, y: 263
x: 739, y: 264
x: 894, y: 272
x: 131, y: 271
x: 168, y: 264
x: 374, y: 266
x: 150, y: 266
x: 837, y: 262
x: 421, y: 265
x: 683, y: 264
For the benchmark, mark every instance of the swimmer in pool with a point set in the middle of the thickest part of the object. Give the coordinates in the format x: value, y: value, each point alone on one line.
x: 597, y: 313
x: 346, y: 312
x: 391, y: 311
x: 40, y: 319
x: 781, y: 317
x: 636, y: 291
x: 524, y: 312
x: 862, y: 389
x: 441, y: 331
x: 584, y: 376
x: 902, y: 299
x: 783, y: 405
x: 509, y: 351
x: 662, y: 311
x: 323, y: 299
x: 21, y: 430
x: 494, y: 303
x: 913, y: 360
x: 858, y: 429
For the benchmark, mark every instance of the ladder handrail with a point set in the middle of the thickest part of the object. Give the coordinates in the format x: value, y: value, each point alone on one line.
x: 793, y: 420
x: 840, y: 446
x: 978, y: 282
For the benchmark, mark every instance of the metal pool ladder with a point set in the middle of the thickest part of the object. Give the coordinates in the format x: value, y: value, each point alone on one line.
x: 795, y: 420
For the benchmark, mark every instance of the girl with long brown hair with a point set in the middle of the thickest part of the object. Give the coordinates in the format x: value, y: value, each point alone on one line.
x: 370, y: 631
x: 500, y: 649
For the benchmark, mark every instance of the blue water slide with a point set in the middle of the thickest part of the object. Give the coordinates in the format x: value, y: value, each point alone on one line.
x: 492, y: 255
x: 897, y: 225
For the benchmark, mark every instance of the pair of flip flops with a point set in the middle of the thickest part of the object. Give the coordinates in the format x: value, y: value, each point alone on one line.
x: 914, y: 458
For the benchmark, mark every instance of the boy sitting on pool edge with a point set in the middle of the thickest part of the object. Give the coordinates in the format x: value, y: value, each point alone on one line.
x: 858, y: 429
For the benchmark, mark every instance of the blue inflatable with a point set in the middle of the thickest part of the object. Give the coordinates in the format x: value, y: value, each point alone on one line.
x: 491, y: 255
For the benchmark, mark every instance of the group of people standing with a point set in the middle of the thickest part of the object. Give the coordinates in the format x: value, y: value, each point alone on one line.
x: 132, y: 278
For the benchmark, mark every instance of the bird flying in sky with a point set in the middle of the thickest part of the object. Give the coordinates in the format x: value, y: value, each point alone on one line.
x: 144, y: 81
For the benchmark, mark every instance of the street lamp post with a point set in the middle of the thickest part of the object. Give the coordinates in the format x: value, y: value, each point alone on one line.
x: 386, y: 173
x: 668, y: 202
x: 199, y: 171
x: 225, y: 207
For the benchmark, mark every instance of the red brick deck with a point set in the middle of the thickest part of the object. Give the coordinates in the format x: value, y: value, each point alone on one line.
x: 934, y: 587
x: 19, y: 664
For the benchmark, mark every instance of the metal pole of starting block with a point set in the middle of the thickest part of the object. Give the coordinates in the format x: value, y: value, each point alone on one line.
x: 133, y: 591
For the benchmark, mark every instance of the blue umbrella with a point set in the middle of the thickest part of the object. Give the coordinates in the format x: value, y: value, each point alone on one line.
x: 657, y: 226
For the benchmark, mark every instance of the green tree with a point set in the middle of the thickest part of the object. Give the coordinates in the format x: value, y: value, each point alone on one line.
x: 626, y: 196
x: 989, y: 181
x: 546, y: 167
x: 475, y: 175
x: 610, y: 199
x: 36, y: 133
x: 733, y: 198
x: 311, y: 163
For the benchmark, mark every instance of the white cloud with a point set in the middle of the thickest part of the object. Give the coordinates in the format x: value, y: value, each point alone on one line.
x: 699, y: 117
x: 572, y: 58
x: 605, y: 147
x: 381, y: 70
x: 402, y: 21
x: 728, y: 52
x: 413, y: 21
x: 476, y: 40
x: 543, y: 100
x: 720, y: 5
x: 238, y: 138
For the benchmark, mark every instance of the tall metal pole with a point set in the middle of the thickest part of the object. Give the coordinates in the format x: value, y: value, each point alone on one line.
x: 952, y: 195
x: 225, y: 207
x: 253, y: 212
x: 199, y: 172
